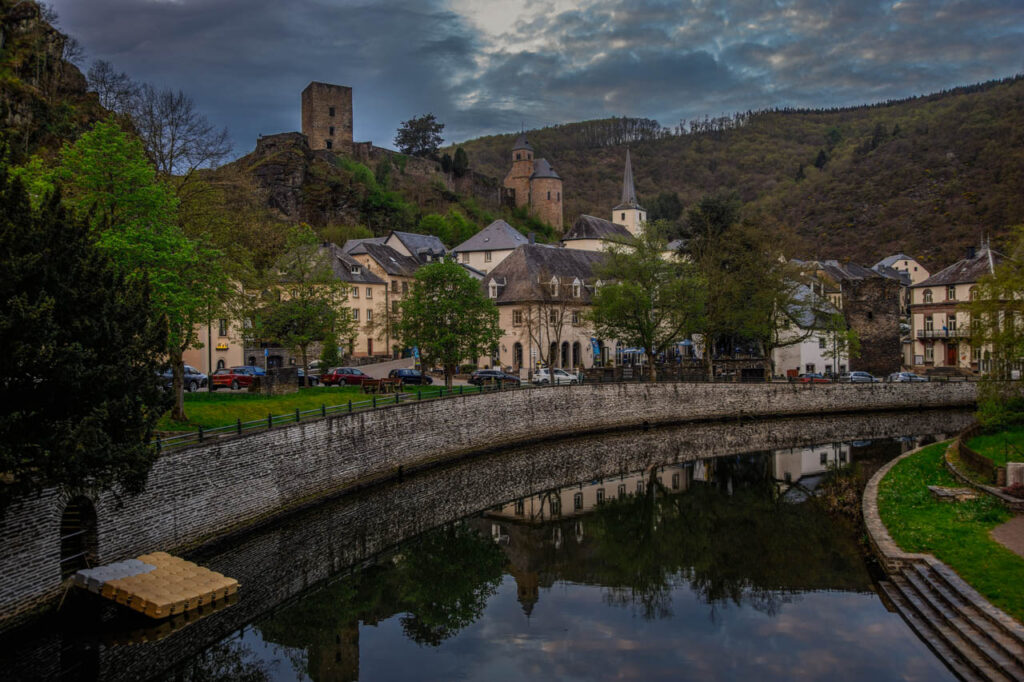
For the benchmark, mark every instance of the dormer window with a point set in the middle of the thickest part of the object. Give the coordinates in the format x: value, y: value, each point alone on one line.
x: 577, y: 288
x: 354, y: 269
x: 927, y: 296
x: 554, y: 287
x: 951, y: 292
x: 492, y: 289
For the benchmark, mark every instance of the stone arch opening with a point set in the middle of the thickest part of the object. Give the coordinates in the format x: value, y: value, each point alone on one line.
x: 517, y: 356
x: 577, y: 354
x: 77, y: 536
x: 565, y: 355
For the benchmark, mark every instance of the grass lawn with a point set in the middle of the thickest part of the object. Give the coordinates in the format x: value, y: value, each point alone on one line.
x: 219, y: 408
x: 957, y: 533
x: 992, y: 445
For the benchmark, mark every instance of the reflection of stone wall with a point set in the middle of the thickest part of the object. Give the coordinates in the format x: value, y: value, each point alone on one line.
x: 277, y: 563
x: 197, y: 494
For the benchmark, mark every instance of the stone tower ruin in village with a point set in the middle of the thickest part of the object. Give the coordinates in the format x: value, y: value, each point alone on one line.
x: 327, y: 116
x: 535, y: 184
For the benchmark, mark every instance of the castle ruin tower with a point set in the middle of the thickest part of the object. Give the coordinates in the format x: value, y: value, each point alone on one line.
x: 518, y: 178
x: 629, y: 213
x: 535, y: 183
x: 327, y: 116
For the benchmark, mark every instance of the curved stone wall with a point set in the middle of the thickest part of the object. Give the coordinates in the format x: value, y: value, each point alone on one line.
x: 197, y: 494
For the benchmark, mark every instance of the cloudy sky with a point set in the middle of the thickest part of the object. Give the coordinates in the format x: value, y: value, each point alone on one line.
x: 490, y: 66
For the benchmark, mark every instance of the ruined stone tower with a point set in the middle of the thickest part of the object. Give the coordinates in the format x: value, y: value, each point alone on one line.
x: 535, y: 183
x: 327, y: 116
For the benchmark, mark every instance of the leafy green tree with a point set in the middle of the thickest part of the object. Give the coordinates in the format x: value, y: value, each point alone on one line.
x: 134, y: 215
x: 310, y: 308
x: 82, y: 350
x: 420, y: 136
x: 448, y: 317
x: 329, y: 355
x: 460, y: 162
x: 646, y: 300
x: 383, y: 173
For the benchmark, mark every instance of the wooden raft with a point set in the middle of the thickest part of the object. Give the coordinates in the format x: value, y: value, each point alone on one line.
x: 158, y: 584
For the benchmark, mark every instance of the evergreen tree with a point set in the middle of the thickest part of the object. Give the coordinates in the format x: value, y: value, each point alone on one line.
x: 446, y: 163
x: 82, y: 351
x: 460, y: 164
x: 821, y: 160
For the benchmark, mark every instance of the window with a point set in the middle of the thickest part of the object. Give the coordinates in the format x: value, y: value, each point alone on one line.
x: 520, y: 508
x: 517, y: 318
x: 973, y: 293
x: 220, y: 364
x: 577, y: 501
x: 554, y: 287
x: 405, y: 288
x: 577, y: 289
x: 330, y: 131
x: 640, y: 487
x: 222, y: 325
x: 369, y: 292
x: 487, y: 256
x: 354, y: 269
x: 355, y: 292
x: 600, y: 495
x: 622, y: 490
x: 976, y: 353
x: 330, y: 111
x: 927, y: 296
x: 492, y: 290
x: 929, y: 353
x: 576, y: 317
x: 355, y: 314
x: 394, y: 286
x: 951, y: 324
x: 549, y: 196
x: 951, y: 292
x: 675, y: 481
x: 556, y: 506
x: 810, y: 367
x: 559, y: 196
x: 329, y: 144
x: 394, y: 307
x: 929, y: 324
x: 822, y: 343
x: 518, y: 156
x: 369, y: 315
x: 552, y: 317
x: 823, y: 458
x: 623, y: 216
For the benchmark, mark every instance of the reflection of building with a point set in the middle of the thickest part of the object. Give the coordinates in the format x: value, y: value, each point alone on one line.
x: 580, y: 499
x: 806, y: 467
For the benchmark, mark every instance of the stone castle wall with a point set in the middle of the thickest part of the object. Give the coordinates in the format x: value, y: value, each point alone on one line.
x: 872, y: 309
x: 201, y: 493
x: 547, y: 209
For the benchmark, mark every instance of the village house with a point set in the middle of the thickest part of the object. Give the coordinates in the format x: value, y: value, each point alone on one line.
x: 542, y: 293
x: 809, y: 343
x: 488, y: 247
x: 940, y: 330
x: 222, y: 346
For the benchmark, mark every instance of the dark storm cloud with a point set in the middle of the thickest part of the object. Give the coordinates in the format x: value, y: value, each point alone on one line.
x: 245, y: 61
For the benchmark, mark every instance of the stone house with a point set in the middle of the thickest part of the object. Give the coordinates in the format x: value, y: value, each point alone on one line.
x: 488, y: 247
x: 542, y: 293
x: 940, y: 331
x: 811, y: 343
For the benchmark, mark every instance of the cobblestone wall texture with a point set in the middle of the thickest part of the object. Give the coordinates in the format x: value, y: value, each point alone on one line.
x: 197, y: 494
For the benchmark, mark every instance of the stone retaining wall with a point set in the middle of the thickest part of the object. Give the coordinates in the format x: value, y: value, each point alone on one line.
x: 200, y: 493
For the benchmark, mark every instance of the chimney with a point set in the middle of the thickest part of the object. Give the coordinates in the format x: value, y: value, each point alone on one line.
x: 971, y: 253
x: 532, y: 237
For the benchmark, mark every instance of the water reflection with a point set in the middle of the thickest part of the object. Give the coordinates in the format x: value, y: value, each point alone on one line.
x: 412, y: 580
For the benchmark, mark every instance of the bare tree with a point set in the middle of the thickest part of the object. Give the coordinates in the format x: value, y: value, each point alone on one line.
x: 547, y: 316
x: 117, y: 91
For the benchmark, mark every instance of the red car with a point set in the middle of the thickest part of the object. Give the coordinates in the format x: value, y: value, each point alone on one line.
x: 233, y: 378
x: 340, y: 376
x: 813, y: 378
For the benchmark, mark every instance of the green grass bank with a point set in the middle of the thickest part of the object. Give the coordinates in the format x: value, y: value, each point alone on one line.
x: 957, y: 533
x: 1000, y: 447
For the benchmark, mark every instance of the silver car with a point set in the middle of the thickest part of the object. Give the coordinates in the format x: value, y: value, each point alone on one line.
x: 863, y: 378
x: 905, y: 377
x: 559, y: 376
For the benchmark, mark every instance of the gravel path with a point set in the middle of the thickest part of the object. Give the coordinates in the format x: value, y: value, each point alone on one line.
x: 1011, y: 534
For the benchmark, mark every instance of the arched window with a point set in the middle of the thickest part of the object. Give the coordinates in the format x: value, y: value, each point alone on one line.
x: 220, y: 364
x: 927, y: 296
x: 77, y: 536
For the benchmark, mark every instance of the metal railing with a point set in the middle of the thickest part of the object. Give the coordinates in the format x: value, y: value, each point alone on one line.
x: 943, y: 333
x: 374, y: 402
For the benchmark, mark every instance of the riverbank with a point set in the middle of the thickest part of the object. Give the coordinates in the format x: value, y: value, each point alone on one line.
x: 956, y: 533
x: 211, y: 410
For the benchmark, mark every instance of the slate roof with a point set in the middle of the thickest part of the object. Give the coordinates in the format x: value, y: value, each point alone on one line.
x: 421, y: 245
x: 812, y: 311
x: 889, y: 261
x: 589, y: 227
x: 886, y: 271
x: 965, y: 270
x: 393, y: 262
x: 521, y: 143
x: 497, y: 236
x: 543, y: 169
x: 355, y: 246
x: 519, y: 275
x: 841, y: 272
x: 343, y: 265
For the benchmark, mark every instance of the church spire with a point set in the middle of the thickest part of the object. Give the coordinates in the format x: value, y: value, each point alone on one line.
x: 628, y: 190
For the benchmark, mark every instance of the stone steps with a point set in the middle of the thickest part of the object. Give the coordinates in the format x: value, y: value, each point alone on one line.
x: 972, y: 638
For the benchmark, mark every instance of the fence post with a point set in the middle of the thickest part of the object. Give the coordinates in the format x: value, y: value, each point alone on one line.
x: 323, y: 410
x: 460, y: 390
x: 350, y: 407
x: 396, y: 397
x: 297, y: 417
x: 158, y: 444
x: 270, y: 421
x: 419, y: 394
x: 200, y: 434
x: 375, y: 402
x: 239, y: 421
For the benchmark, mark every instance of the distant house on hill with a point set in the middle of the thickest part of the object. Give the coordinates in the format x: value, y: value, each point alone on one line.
x: 488, y: 247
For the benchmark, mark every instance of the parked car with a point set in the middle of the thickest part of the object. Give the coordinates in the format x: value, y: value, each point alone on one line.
x: 410, y: 376
x: 490, y: 376
x: 311, y: 380
x: 255, y: 369
x: 192, y: 380
x: 905, y: 377
x: 859, y: 377
x: 342, y: 376
x: 813, y: 378
x: 559, y: 376
x: 233, y: 378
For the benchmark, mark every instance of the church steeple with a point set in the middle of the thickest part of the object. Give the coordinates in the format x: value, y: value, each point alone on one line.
x: 629, y: 213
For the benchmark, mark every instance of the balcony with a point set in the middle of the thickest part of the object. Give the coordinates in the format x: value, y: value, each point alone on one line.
x: 943, y: 333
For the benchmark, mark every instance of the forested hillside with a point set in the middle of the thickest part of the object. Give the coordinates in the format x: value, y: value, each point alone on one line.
x: 927, y: 175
